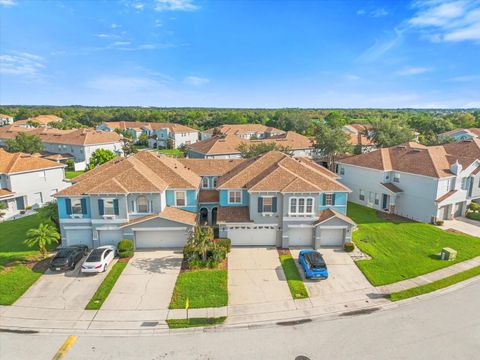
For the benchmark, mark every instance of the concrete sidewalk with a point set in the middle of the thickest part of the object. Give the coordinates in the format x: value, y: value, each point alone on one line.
x: 464, y: 225
x: 430, y: 277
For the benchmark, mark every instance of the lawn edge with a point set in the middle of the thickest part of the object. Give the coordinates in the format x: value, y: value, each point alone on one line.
x: 202, y: 322
x: 289, y: 261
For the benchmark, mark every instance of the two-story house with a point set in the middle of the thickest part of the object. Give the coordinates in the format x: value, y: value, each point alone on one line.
x: 358, y: 137
x: 243, y: 131
x: 5, y: 120
x: 415, y: 181
x: 38, y: 121
x: 272, y: 199
x: 27, y: 180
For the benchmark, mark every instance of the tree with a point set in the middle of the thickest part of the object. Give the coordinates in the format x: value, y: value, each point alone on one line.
x: 386, y: 133
x: 217, y: 132
x: 3, y: 207
x: 335, y: 119
x: 251, y: 150
x: 201, y: 239
x: 143, y: 139
x: 101, y: 156
x: 128, y: 147
x: 331, y: 142
x: 49, y: 212
x: 44, y: 235
x: 26, y: 143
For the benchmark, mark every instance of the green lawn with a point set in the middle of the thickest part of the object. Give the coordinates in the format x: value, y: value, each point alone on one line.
x: 436, y: 285
x: 184, y: 323
x: 294, y: 280
x: 406, y: 249
x: 15, y: 280
x: 172, y: 152
x: 203, y: 288
x: 106, y: 286
x: 73, y: 174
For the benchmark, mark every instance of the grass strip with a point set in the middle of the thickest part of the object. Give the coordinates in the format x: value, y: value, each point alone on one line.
x: 436, y: 285
x: 73, y: 174
x: 194, y: 322
x: 106, y: 286
x: 294, y: 280
x: 15, y: 281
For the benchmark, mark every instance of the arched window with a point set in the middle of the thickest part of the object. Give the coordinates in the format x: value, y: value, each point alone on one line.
x: 142, y: 204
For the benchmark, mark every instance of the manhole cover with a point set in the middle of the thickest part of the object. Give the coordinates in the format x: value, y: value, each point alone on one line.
x: 150, y: 323
x: 302, y: 357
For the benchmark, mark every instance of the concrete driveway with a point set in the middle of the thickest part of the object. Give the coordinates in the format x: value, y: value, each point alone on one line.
x: 256, y: 276
x: 71, y: 290
x: 147, y: 282
x: 345, y: 280
x: 464, y: 225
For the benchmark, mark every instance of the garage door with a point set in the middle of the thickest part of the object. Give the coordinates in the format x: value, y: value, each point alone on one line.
x: 159, y: 239
x: 251, y: 236
x: 110, y: 237
x: 458, y: 209
x: 79, y: 237
x: 331, y: 237
x: 300, y: 237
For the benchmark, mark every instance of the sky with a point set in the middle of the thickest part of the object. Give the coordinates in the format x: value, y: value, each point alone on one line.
x: 252, y: 54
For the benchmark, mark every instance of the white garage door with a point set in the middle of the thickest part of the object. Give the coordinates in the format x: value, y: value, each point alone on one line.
x: 110, y: 237
x: 159, y: 239
x: 300, y: 237
x: 331, y: 237
x: 253, y: 236
x: 79, y: 237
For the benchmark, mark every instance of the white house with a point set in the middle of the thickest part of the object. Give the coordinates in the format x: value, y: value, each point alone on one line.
x: 358, y: 136
x: 5, y: 120
x: 76, y: 144
x: 415, y: 181
x: 243, y: 131
x: 28, y: 181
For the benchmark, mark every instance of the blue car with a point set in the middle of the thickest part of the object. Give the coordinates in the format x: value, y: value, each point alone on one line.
x: 313, y: 264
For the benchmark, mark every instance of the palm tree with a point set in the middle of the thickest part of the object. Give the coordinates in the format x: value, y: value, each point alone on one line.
x: 202, y: 239
x: 44, y: 235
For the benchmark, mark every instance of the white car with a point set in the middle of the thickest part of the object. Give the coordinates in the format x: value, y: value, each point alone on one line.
x: 98, y: 259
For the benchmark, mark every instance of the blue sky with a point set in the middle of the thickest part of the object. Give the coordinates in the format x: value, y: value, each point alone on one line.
x: 241, y: 53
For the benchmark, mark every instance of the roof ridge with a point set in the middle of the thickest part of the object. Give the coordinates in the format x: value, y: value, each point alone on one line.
x: 297, y: 176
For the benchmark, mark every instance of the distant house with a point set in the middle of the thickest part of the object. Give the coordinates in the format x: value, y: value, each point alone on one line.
x: 415, y: 181
x: 40, y: 120
x: 226, y: 147
x: 358, y: 137
x: 243, y: 131
x: 27, y: 180
x: 5, y: 120
x: 61, y: 145
x: 461, y: 134
x: 160, y: 135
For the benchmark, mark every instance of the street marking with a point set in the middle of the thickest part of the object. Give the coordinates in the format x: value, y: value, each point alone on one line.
x: 65, y: 347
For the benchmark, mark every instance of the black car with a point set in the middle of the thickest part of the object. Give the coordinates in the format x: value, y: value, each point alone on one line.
x: 68, y: 257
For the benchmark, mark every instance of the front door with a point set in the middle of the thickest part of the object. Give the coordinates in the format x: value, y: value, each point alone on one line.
x: 20, y: 203
x: 385, y: 201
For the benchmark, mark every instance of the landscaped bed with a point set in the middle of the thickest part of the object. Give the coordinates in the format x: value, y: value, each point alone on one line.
x: 73, y: 174
x: 404, y: 249
x: 294, y: 279
x: 195, y: 322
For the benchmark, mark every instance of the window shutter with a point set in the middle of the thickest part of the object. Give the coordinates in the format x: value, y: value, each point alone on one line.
x: 84, y: 206
x: 101, y: 209
x: 68, y: 205
x: 333, y: 199
x: 260, y: 204
x: 115, y: 206
x: 324, y: 200
x: 274, y: 204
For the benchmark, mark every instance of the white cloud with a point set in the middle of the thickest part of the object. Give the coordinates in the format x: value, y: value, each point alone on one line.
x: 102, y: 36
x: 361, y: 12
x: 121, y: 43
x: 175, y: 5
x: 158, y: 23
x: 413, y: 71
x: 138, y: 5
x: 114, y: 26
x: 21, y: 64
x: 7, y: 3
x: 196, y: 80
x: 382, y: 46
x: 379, y: 12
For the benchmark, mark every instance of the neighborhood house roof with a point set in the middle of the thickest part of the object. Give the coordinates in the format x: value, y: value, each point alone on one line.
x: 235, y: 214
x: 241, y: 129
x: 208, y: 196
x: 124, y: 125
x: 169, y: 213
x: 211, y: 167
x: 434, y: 161
x: 40, y: 119
x: 329, y: 213
x: 471, y: 131
x: 18, y: 162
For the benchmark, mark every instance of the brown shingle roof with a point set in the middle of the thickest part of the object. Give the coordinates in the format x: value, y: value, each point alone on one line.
x: 169, y: 213
x: 392, y: 187
x: 446, y: 196
x: 41, y: 119
x: 173, y: 127
x: 5, y: 193
x: 240, y: 129
x: 208, y: 196
x: 18, y: 162
x: 211, y: 167
x: 233, y: 214
x: 330, y: 213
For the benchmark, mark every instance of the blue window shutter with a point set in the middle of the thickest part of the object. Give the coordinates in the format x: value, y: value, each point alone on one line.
x: 260, y: 204
x: 101, y: 209
x: 115, y: 207
x: 274, y: 204
x: 68, y: 205
x: 323, y: 200
x: 333, y: 199
x: 84, y: 206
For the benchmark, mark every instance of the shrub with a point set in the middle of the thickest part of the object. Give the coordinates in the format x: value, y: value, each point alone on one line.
x: 439, y: 222
x: 474, y: 207
x: 349, y: 246
x: 70, y: 165
x: 224, y: 243
x: 125, y: 248
x: 473, y: 215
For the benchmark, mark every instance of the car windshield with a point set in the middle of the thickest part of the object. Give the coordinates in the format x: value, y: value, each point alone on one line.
x: 64, y: 253
x: 95, y: 256
x: 315, y: 260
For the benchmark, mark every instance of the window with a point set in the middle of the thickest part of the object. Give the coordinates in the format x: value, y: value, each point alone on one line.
x: 108, y: 207
x: 215, y: 183
x: 142, y: 204
x: 267, y: 204
x: 205, y: 183
x: 301, y: 206
x: 377, y: 199
x: 370, y: 197
x: 464, y: 183
x: 342, y: 171
x: 77, y: 206
x: 361, y: 196
x: 235, y: 197
x: 396, y: 178
x: 180, y: 198
x: 328, y: 199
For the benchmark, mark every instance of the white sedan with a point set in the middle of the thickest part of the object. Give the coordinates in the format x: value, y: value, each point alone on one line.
x: 99, y: 259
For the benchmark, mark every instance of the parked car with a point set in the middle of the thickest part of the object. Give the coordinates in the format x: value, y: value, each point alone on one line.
x: 99, y: 259
x: 313, y: 264
x: 68, y: 257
